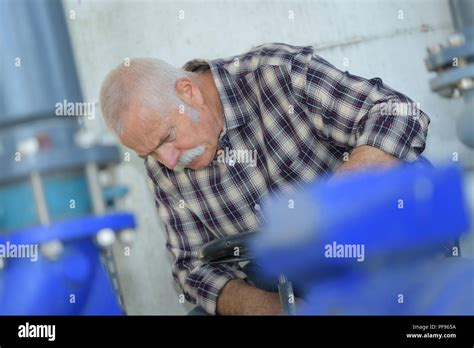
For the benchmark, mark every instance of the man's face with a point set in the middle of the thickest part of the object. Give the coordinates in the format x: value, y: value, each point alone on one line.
x: 175, y: 140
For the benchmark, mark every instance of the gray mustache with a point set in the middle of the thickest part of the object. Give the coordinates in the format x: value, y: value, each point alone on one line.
x: 189, y: 156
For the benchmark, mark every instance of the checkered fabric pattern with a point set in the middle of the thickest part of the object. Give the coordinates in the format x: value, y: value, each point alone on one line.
x: 302, y: 116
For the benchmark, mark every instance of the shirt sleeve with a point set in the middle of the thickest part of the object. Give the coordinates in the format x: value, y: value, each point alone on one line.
x: 351, y: 111
x: 201, y: 283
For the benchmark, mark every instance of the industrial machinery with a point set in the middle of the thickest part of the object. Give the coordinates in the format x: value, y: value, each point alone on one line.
x: 454, y: 66
x: 235, y: 249
x: 373, y: 243
x: 56, y: 230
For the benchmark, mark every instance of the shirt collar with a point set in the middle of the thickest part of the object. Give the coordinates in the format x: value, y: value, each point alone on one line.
x: 236, y: 112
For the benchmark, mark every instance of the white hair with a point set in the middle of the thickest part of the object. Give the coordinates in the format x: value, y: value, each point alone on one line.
x: 149, y: 81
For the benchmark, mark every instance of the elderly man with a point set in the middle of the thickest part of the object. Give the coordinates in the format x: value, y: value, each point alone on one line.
x: 299, y: 115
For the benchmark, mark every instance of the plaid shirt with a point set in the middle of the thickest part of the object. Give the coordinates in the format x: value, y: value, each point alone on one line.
x: 302, y: 116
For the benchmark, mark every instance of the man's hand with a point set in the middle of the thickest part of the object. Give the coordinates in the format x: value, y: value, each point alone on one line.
x: 367, y: 157
x: 240, y: 298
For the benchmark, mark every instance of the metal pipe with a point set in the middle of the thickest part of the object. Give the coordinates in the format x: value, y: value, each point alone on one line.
x: 95, y: 191
x: 98, y: 206
x: 462, y: 13
x: 40, y: 200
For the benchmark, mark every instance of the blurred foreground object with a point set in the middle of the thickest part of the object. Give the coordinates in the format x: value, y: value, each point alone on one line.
x: 366, y: 243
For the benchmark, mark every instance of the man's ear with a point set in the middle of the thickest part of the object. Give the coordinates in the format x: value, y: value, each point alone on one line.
x: 188, y: 92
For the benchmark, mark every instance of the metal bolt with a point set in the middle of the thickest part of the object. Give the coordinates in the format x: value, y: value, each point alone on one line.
x: 105, y: 178
x: 434, y: 49
x: 455, y: 93
x: 466, y: 83
x: 28, y: 146
x: 127, y: 236
x: 456, y: 39
x: 84, y: 138
x: 105, y: 237
x: 448, y: 92
x: 52, y: 249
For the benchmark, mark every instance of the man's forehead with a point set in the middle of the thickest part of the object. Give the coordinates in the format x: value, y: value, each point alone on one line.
x: 141, y: 127
x: 141, y: 118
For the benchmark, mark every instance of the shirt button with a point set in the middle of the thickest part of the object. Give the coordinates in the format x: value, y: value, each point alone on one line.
x: 231, y: 162
x: 257, y: 207
x: 224, y: 142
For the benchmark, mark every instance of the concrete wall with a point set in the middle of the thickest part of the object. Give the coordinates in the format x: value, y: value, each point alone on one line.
x: 367, y: 37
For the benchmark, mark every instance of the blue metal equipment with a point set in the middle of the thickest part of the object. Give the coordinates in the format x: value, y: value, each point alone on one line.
x: 365, y: 243
x: 55, y: 231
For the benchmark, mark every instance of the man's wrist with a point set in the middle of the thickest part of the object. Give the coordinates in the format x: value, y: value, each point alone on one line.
x: 240, y: 298
x: 364, y: 157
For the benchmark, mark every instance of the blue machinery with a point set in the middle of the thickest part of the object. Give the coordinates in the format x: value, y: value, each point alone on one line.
x: 55, y: 229
x: 367, y: 243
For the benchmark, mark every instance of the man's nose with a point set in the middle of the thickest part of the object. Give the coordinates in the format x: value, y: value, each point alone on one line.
x: 168, y: 156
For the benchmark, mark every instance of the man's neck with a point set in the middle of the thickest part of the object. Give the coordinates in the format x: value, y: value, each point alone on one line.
x: 211, y: 96
x: 210, y: 91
